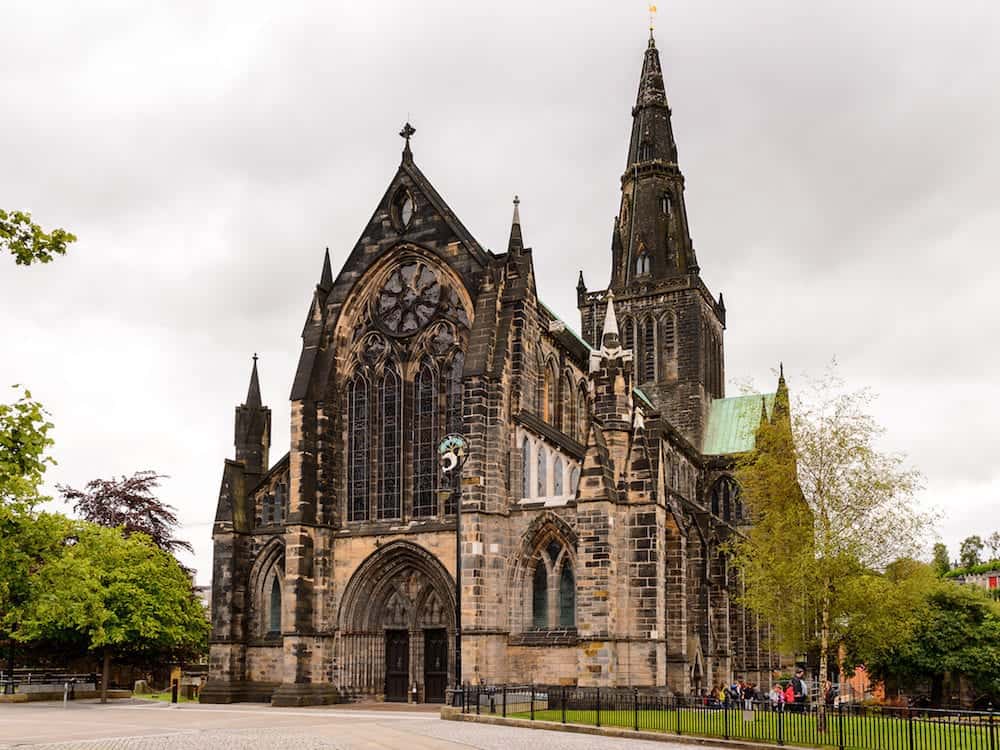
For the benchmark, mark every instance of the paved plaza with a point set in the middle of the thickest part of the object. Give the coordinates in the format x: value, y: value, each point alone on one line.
x: 137, y: 725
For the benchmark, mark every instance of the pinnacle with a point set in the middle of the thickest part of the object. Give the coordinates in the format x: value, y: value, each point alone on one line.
x: 253, y: 393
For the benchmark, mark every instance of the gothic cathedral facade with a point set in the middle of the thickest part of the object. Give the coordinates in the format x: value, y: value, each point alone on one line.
x: 595, y: 498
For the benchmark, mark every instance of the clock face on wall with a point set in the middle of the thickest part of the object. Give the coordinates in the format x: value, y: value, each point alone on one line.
x: 409, y: 299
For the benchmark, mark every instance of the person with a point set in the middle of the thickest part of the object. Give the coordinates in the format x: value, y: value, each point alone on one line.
x: 721, y: 695
x: 790, y: 696
x: 777, y: 697
x: 799, y: 689
x: 830, y: 693
x: 748, y: 692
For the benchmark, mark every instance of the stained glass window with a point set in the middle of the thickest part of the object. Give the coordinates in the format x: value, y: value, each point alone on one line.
x: 540, y: 473
x: 391, y: 421
x: 557, y: 477
x: 424, y: 443
x: 567, y: 596
x: 526, y: 468
x: 358, y: 460
x: 274, y: 611
x: 648, y: 351
x: 628, y: 334
x: 540, y: 597
x: 574, y: 480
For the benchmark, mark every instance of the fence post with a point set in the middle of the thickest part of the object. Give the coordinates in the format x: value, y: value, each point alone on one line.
x: 532, y: 699
x: 598, y: 707
x: 635, y: 706
x: 564, y: 705
x: 909, y: 725
x: 993, y: 742
x: 781, y: 724
x: 677, y: 705
x: 840, y: 726
x: 725, y: 718
x: 478, y: 698
x: 503, y: 701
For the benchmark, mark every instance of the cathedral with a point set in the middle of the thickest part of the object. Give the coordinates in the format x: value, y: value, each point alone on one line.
x: 596, y: 495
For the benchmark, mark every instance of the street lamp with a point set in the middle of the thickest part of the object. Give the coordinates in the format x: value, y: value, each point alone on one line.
x: 451, y: 453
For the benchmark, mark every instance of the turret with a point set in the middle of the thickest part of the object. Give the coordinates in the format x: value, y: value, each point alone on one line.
x: 253, y: 428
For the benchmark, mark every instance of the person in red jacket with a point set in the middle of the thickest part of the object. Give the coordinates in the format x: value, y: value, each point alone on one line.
x: 789, y: 695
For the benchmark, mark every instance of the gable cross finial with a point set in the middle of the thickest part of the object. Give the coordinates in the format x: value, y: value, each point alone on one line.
x: 407, y: 131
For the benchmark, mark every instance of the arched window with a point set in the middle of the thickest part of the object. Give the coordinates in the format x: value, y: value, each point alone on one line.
x: 725, y: 500
x: 526, y: 468
x: 274, y: 610
x: 567, y: 403
x: 358, y: 460
x: 557, y: 477
x: 280, y: 502
x: 390, y: 462
x: 648, y: 364
x: 424, y: 442
x: 645, y: 151
x: 567, y: 595
x: 665, y: 204
x: 628, y: 334
x: 541, y: 474
x: 642, y: 264
x: 574, y: 480
x: 540, y: 597
x: 668, y: 324
x: 548, y: 412
x: 582, y: 417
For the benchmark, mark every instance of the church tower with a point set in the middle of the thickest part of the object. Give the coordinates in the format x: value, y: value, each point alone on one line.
x: 666, y: 313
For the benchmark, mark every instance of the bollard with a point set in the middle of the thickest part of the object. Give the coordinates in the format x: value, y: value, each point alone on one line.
x: 503, y: 705
x: 65, y: 695
x: 635, y: 706
x: 598, y: 707
x: 564, y: 705
x: 532, y: 699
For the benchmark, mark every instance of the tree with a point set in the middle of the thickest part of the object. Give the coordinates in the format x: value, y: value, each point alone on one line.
x: 24, y: 438
x: 958, y: 633
x: 114, y: 595
x: 993, y: 543
x: 128, y: 502
x: 971, y: 551
x: 28, y: 242
x: 941, y: 562
x: 830, y: 512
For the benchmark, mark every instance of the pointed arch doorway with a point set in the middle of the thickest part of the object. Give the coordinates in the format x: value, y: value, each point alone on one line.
x: 397, y: 624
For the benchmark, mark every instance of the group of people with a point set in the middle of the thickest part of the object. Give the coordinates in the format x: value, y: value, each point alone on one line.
x: 793, y: 696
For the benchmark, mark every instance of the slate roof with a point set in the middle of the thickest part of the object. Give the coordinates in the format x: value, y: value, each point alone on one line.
x: 733, y: 422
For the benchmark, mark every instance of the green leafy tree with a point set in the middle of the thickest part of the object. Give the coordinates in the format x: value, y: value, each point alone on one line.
x: 971, y: 551
x: 941, y: 562
x: 115, y: 596
x: 830, y: 512
x: 28, y: 242
x: 958, y: 633
x: 993, y: 544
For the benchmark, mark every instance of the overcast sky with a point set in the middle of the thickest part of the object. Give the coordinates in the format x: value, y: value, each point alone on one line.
x: 841, y: 163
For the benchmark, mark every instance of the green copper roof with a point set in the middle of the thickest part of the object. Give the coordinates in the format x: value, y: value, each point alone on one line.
x: 569, y: 328
x: 733, y: 422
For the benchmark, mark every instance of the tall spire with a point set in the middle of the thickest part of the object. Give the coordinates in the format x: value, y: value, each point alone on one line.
x: 652, y: 242
x: 253, y: 393
x: 516, y: 242
x: 326, y: 275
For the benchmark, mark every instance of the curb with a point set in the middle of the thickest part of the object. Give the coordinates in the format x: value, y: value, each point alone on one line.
x: 449, y: 713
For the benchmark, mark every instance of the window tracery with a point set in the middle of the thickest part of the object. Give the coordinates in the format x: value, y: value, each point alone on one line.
x: 357, y: 450
x: 424, y: 439
x: 390, y: 460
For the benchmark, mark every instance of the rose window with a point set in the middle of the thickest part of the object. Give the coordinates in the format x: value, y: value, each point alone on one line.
x: 409, y: 299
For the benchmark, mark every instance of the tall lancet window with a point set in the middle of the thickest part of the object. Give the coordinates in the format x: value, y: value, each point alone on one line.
x: 648, y: 371
x: 669, y: 325
x: 358, y: 460
x: 424, y: 437
x: 540, y: 597
x: 389, y: 464
x: 642, y: 264
x: 453, y: 408
x: 541, y: 473
x: 628, y: 334
x: 274, y: 608
x: 526, y: 468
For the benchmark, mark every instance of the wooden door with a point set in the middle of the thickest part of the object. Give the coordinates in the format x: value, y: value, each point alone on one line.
x: 435, y: 665
x: 397, y: 664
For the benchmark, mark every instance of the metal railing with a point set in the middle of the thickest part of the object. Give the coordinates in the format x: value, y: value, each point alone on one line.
x: 844, y: 726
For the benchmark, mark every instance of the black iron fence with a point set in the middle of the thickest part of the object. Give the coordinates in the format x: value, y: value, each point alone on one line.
x: 843, y: 726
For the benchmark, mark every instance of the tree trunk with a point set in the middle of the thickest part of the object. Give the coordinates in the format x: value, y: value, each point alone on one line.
x: 824, y: 658
x: 106, y: 675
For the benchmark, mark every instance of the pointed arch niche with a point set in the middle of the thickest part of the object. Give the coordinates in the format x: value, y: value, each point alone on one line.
x: 543, y: 579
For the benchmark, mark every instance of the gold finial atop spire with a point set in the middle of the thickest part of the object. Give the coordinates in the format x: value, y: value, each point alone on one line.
x: 652, y: 18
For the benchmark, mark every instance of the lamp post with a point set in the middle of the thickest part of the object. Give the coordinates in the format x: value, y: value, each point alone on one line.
x: 451, y: 453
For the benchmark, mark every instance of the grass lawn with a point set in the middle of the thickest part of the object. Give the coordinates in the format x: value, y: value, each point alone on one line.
x: 873, y: 732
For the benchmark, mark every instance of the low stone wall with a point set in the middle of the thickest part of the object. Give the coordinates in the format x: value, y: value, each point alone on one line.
x: 57, y: 695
